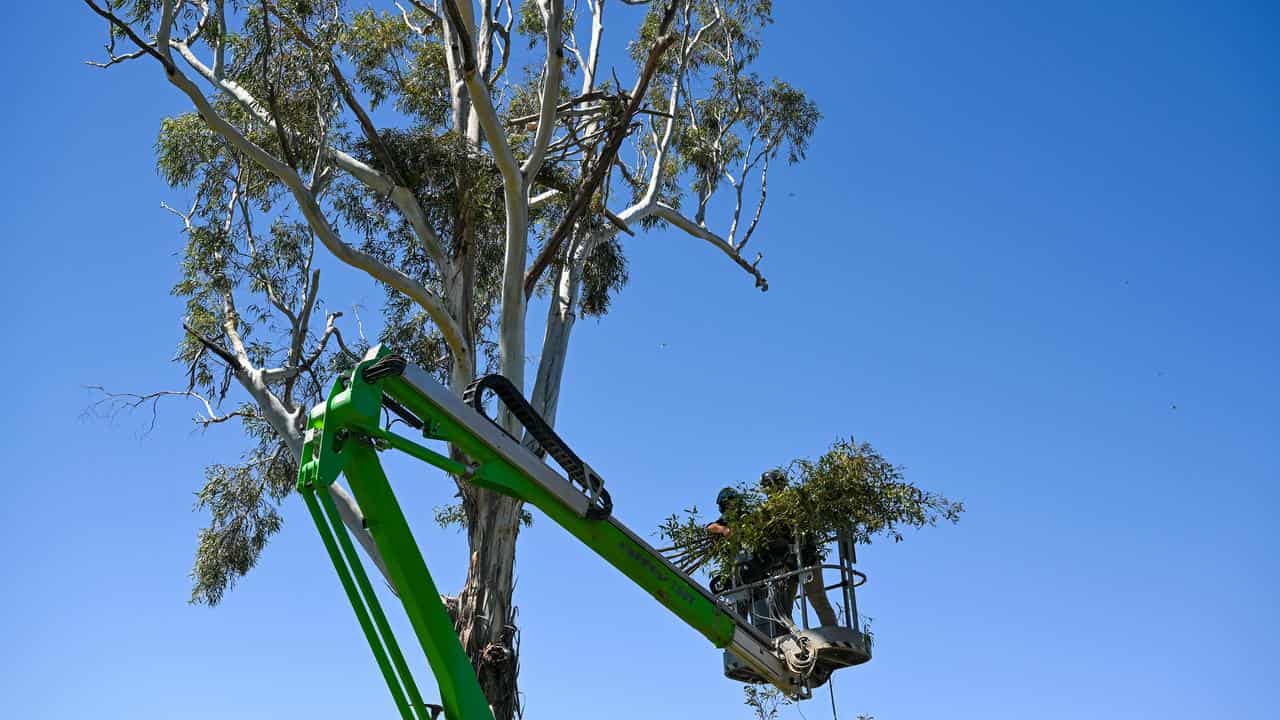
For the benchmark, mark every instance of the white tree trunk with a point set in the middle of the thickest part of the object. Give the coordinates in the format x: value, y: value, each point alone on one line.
x: 561, y: 316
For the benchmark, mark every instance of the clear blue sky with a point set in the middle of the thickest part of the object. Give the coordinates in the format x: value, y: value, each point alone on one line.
x: 1025, y: 234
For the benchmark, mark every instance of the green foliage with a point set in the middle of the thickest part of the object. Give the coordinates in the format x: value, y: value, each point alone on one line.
x: 850, y: 487
x: 734, y: 121
x: 245, y: 259
x: 393, y: 62
x: 787, y: 118
x: 766, y: 702
x: 241, y: 501
x: 400, y: 60
x: 604, y: 273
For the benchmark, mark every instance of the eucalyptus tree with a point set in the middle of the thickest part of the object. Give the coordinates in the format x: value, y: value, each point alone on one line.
x: 467, y: 156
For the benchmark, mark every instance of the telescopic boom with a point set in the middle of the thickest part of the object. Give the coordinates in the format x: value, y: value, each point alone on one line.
x: 344, y: 436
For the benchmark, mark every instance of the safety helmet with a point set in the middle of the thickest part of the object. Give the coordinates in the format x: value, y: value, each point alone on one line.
x: 773, y: 478
x: 727, y: 497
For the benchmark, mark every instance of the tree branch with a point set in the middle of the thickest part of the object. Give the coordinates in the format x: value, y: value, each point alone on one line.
x: 124, y: 27
x: 112, y: 403
x: 591, y: 183
x: 553, y: 16
x: 673, y: 216
x: 402, y: 197
x: 311, y: 210
x: 755, y: 219
x: 481, y: 103
x: 216, y: 348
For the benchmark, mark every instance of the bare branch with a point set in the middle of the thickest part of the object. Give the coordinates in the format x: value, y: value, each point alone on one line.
x: 282, y: 135
x: 112, y: 403
x: 426, y: 10
x: 294, y: 368
x: 542, y: 198
x: 219, y: 46
x: 114, y: 59
x: 124, y: 27
x: 673, y: 216
x: 755, y: 219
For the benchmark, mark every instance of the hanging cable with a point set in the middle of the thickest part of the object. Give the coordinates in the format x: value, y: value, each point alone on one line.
x: 831, y: 686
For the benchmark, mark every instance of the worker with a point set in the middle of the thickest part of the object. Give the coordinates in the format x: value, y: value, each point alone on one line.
x: 773, y: 602
x: 760, y: 603
x: 773, y: 482
x: 727, y: 502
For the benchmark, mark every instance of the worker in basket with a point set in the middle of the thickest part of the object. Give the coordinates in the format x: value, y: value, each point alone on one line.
x: 773, y: 602
x: 729, y: 503
x: 807, y: 555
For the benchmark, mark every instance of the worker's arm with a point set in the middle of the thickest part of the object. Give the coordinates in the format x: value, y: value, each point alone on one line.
x: 719, y: 529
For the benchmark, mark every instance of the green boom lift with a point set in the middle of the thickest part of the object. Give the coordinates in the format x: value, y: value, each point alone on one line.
x: 344, y: 436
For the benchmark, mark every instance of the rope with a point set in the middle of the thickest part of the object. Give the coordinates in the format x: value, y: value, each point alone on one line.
x: 803, y: 662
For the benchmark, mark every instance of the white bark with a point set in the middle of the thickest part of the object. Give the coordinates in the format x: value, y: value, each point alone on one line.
x: 553, y: 16
x: 561, y: 316
x: 511, y: 339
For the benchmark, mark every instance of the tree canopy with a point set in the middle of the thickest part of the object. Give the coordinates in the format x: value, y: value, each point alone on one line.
x: 468, y: 156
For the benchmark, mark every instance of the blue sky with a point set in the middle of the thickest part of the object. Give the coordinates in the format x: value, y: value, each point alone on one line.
x: 1033, y: 257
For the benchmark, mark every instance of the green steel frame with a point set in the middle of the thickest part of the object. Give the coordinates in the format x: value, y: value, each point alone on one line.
x: 344, y: 437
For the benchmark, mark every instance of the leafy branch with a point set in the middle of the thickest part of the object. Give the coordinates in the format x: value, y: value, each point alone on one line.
x: 850, y: 488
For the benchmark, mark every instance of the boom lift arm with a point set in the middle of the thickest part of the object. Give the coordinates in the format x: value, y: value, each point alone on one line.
x: 344, y: 435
